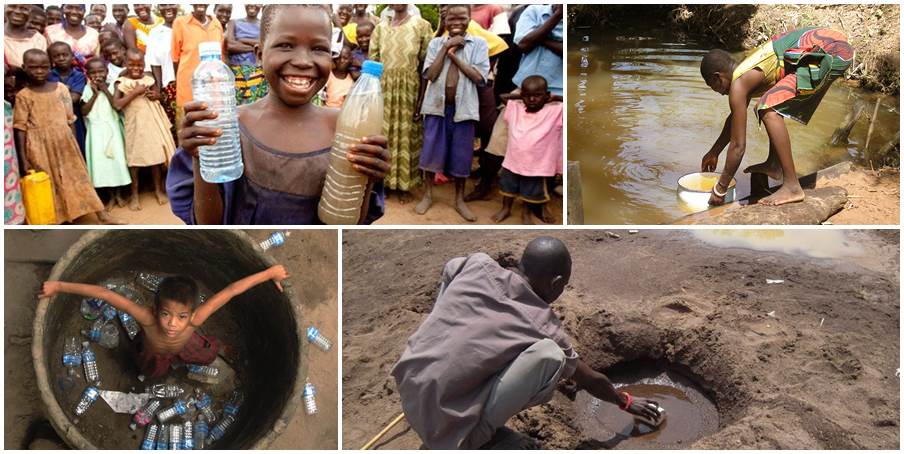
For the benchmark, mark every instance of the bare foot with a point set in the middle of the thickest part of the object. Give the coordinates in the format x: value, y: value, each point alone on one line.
x: 502, y: 215
x: 405, y: 197
x: 772, y: 169
x: 120, y: 200
x: 105, y: 218
x: 479, y: 193
x: 784, y: 195
x: 424, y: 204
x: 527, y: 217
x: 161, y: 198
x: 134, y: 204
x: 548, y: 217
x: 462, y: 208
x: 110, y: 204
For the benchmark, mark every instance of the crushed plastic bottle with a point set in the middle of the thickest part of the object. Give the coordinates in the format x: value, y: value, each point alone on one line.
x: 162, y: 438
x: 104, y: 333
x: 220, y: 429
x: 205, y: 405
x: 145, y: 414
x: 276, y: 239
x: 108, y: 312
x: 178, y: 408
x: 175, y: 436
x: 88, y: 398
x: 318, y: 339
x: 72, y: 357
x: 150, y: 437
x: 234, y: 405
x: 165, y: 391
x: 201, y: 432
x: 202, y: 373
x: 310, y: 404
x: 188, y: 436
x: 129, y: 324
x: 89, y: 361
x: 150, y: 281
x: 92, y: 308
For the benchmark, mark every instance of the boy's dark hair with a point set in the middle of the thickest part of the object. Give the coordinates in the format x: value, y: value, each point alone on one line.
x: 33, y: 53
x: 716, y: 60
x: 535, y: 79
x: 269, y: 13
x: 114, y: 41
x: 134, y: 52
x: 53, y: 8
x: 37, y: 11
x: 181, y: 289
x: 95, y: 61
x: 56, y: 44
x: 459, y: 5
x: 367, y: 24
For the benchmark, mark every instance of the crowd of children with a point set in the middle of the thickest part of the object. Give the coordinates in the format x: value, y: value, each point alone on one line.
x: 129, y: 103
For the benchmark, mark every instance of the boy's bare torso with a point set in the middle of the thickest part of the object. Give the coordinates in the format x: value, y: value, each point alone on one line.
x: 156, y: 340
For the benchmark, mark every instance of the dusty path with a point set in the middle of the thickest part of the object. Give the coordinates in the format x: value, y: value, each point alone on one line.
x: 309, y: 257
x: 779, y: 382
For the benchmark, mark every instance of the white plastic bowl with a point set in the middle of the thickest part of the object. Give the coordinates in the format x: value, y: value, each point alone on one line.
x: 695, y: 198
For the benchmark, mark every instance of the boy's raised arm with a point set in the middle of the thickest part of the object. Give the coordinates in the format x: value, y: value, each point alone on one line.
x: 276, y: 273
x: 142, y: 315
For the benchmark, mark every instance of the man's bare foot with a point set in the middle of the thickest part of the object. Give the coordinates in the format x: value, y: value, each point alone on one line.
x: 161, y: 198
x: 479, y: 193
x: 784, y: 195
x: 405, y: 197
x: 424, y: 204
x: 772, y: 169
x: 502, y: 215
x: 105, y: 218
x: 527, y: 217
x: 134, y: 204
x: 462, y: 208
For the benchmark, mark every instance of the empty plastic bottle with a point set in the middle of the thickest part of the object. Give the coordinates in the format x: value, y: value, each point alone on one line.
x: 165, y: 391
x: 235, y: 403
x: 145, y: 414
x: 201, y: 432
x: 220, y: 429
x: 310, y: 404
x: 318, y: 339
x: 188, y: 436
x: 149, y: 281
x: 150, y: 437
x: 200, y: 369
x: 91, y: 308
x: 361, y: 116
x: 276, y: 239
x: 72, y: 357
x: 175, y: 436
x: 108, y: 312
x: 88, y: 398
x: 162, y: 438
x: 129, y: 324
x: 214, y: 84
x: 89, y: 361
x: 178, y: 408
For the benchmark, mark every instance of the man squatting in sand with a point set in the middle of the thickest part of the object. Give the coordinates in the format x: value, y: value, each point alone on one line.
x: 493, y: 347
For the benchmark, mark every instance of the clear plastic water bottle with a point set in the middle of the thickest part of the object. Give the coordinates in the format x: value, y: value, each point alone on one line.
x: 145, y: 414
x: 203, y: 370
x: 201, y: 432
x: 276, y: 239
x: 214, y: 84
x: 175, y: 436
x: 108, y: 312
x: 361, y: 116
x: 162, y: 438
x: 188, y: 435
x: 310, y: 404
x: 88, y: 398
x: 129, y: 324
x: 318, y: 339
x: 178, y: 408
x: 89, y: 360
x: 205, y: 405
x: 150, y: 437
x: 72, y: 358
x: 150, y: 281
x: 220, y: 429
x: 234, y: 405
x: 165, y: 391
x: 91, y: 308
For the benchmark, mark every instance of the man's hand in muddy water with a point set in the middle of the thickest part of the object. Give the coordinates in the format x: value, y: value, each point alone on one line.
x: 646, y: 408
x: 49, y: 289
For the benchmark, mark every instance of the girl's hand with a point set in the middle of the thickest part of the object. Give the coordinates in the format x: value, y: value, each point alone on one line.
x: 153, y: 94
x: 191, y: 136
x: 370, y: 157
x: 715, y: 200
x: 278, y: 274
x: 49, y: 289
x: 138, y: 91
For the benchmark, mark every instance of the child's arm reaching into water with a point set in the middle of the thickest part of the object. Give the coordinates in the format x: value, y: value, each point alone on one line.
x: 275, y: 273
x: 142, y: 315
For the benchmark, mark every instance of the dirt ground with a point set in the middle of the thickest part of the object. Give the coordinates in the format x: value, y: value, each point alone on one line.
x: 874, y: 197
x: 310, y: 258
x: 818, y: 373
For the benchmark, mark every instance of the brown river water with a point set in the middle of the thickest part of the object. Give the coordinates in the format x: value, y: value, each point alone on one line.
x: 640, y: 116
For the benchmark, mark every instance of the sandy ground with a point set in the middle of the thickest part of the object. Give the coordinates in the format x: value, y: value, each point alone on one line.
x: 820, y: 373
x: 874, y: 197
x: 310, y: 258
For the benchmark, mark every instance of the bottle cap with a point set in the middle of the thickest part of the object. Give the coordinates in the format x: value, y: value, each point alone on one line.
x: 210, y: 49
x: 373, y: 68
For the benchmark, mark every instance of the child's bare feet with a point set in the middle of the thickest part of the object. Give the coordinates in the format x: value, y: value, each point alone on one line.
x: 480, y: 192
x: 161, y: 198
x: 462, y: 208
x: 110, y: 203
x: 134, y: 204
x: 105, y: 218
x: 770, y: 168
x: 527, y: 217
x: 424, y: 204
x: 785, y: 194
x: 120, y: 200
x: 548, y: 217
x: 502, y: 214
x: 405, y: 197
